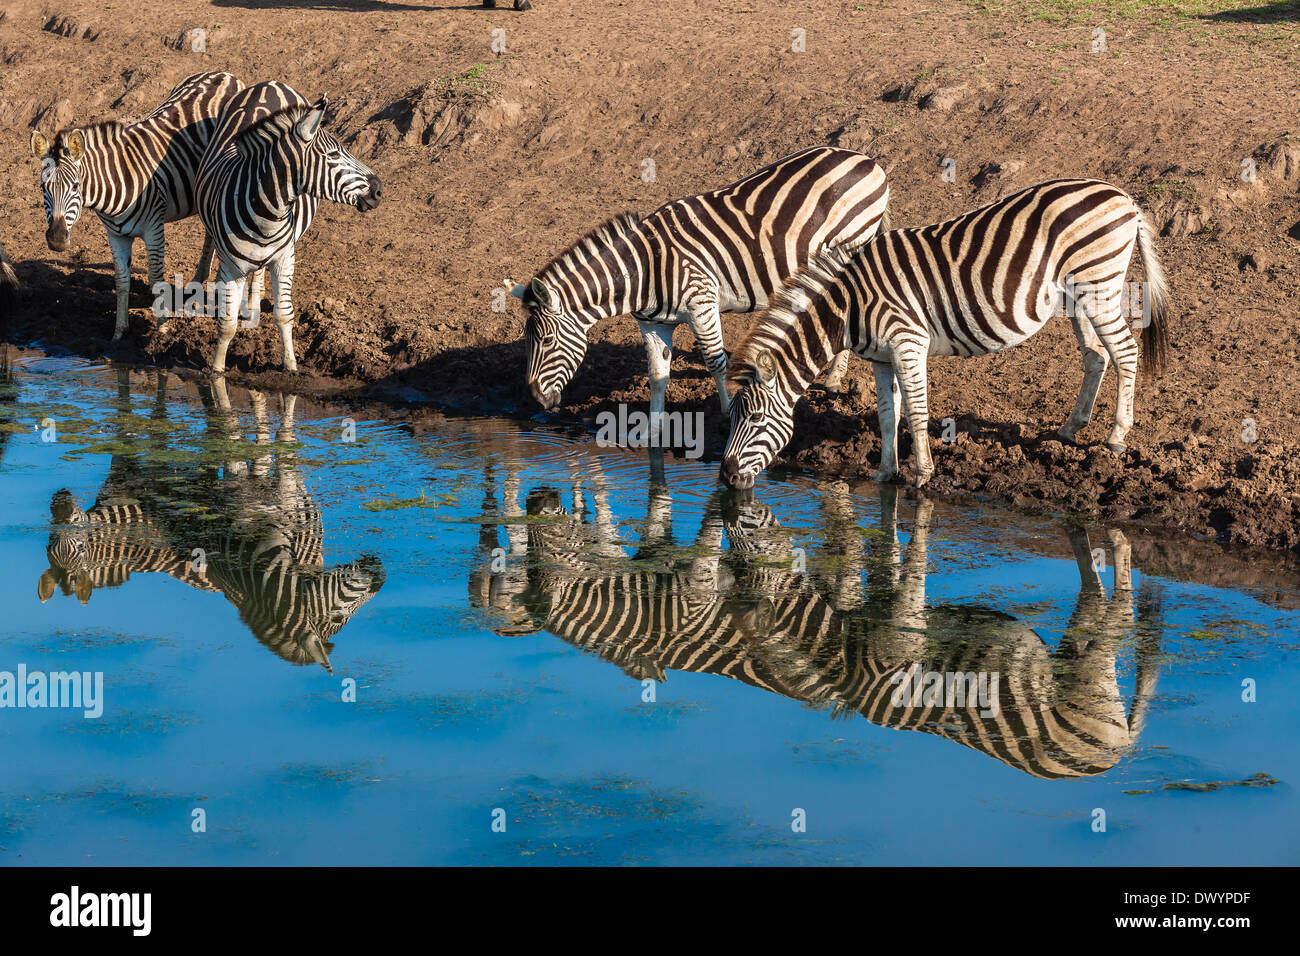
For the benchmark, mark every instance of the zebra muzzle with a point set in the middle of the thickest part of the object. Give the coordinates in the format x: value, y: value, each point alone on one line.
x: 548, y: 400
x: 371, y: 199
x: 56, y: 237
x: 729, y: 474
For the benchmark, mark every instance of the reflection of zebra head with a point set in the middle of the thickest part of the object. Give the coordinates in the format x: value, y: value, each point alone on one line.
x: 299, y: 615
x: 68, y: 551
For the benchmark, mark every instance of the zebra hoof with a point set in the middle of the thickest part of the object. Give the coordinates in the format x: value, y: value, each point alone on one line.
x: 1117, y: 447
x: 883, y: 477
x: 1066, y: 435
x: 922, y: 479
x: 523, y: 5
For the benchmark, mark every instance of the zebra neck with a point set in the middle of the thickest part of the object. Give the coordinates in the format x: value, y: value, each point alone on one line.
x: 106, y: 183
x: 604, y: 284
x: 809, y: 344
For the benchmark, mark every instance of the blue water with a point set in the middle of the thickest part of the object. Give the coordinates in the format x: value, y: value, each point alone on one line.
x: 474, y: 705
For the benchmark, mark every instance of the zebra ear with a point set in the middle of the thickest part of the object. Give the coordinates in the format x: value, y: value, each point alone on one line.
x: 518, y: 292
x: 82, y: 587
x: 542, y: 293
x: 765, y: 368
x: 45, y: 586
x: 76, y: 144
x: 310, y: 124
x: 40, y: 145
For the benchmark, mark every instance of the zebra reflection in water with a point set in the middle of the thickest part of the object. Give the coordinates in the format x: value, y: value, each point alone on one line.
x: 258, y: 540
x: 753, y: 614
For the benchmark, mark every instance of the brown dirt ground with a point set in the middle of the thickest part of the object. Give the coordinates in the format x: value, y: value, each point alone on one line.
x: 492, y: 163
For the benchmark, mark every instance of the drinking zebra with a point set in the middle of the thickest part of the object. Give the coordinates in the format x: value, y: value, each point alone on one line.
x: 821, y: 638
x: 270, y: 164
x: 258, y: 540
x: 972, y: 285
x: 136, y: 177
x: 694, y: 258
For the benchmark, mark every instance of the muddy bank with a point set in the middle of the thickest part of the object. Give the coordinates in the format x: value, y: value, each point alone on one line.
x: 492, y: 163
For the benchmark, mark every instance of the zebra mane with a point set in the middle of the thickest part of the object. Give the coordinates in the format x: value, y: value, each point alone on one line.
x: 106, y: 131
x: 788, y: 304
x: 270, y: 126
x: 593, y: 243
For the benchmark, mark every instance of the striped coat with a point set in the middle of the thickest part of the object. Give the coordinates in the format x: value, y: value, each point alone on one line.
x: 972, y: 285
x: 136, y: 177
x: 694, y: 258
x: 270, y: 164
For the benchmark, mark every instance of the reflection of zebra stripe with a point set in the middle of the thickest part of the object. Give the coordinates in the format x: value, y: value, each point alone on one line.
x: 135, y: 177
x: 771, y: 628
x: 722, y: 251
x: 969, y: 286
x: 269, y: 165
x: 103, y: 547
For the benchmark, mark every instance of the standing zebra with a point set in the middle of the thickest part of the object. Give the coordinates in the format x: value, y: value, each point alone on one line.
x: 270, y: 163
x: 976, y: 284
x: 693, y: 258
x: 135, y: 177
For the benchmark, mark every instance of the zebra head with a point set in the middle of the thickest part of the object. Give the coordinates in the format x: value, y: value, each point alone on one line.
x: 325, y: 169
x: 68, y: 551
x: 556, y: 341
x: 320, y: 605
x: 60, y: 183
x: 762, y: 421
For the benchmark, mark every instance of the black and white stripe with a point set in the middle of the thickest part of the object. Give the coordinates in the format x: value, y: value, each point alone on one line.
x: 750, y: 616
x: 694, y: 258
x: 270, y: 164
x: 972, y: 285
x: 260, y: 541
x: 136, y: 177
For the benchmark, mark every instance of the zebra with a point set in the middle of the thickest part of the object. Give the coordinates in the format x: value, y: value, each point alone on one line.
x: 9, y: 286
x: 972, y: 285
x: 136, y: 177
x: 270, y: 163
x: 694, y: 258
x: 824, y: 640
x: 261, y: 544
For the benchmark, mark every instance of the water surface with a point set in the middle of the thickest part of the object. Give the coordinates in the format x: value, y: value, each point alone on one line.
x: 347, y: 638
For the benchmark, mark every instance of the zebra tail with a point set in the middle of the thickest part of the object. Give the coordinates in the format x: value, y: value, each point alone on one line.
x: 885, y: 223
x: 1155, y: 342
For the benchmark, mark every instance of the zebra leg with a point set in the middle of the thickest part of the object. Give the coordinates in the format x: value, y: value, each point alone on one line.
x: 229, y: 295
x: 204, y: 265
x: 659, y: 350
x: 910, y: 368
x: 1122, y: 347
x: 155, y: 252
x: 252, y: 309
x: 887, y: 411
x: 706, y: 323
x: 835, y: 377
x: 120, y: 246
x: 1095, y: 362
x: 282, y: 293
